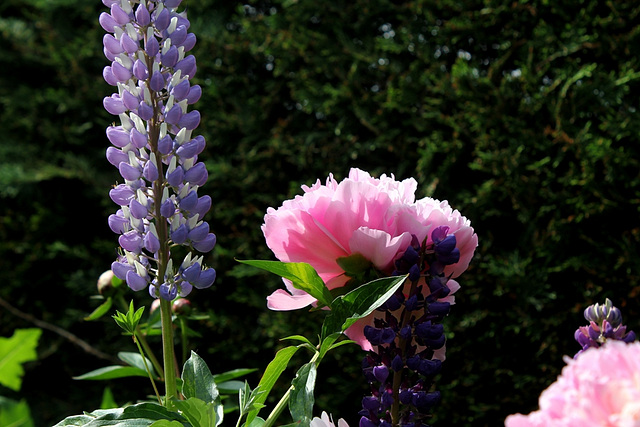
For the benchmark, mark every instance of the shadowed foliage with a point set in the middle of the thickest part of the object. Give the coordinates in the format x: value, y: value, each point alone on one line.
x: 523, y: 114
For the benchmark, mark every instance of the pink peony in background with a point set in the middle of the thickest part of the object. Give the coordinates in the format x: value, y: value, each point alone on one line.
x: 600, y: 388
x: 374, y: 217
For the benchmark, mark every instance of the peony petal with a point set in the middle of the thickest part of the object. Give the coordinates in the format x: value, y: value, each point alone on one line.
x: 378, y: 246
x: 281, y: 300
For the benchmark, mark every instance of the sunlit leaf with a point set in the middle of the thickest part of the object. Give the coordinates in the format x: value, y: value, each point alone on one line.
x: 15, y: 351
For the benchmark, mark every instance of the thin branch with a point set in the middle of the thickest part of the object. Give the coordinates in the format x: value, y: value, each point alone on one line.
x: 58, y: 330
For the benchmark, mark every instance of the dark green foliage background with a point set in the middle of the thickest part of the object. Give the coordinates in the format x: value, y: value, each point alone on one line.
x: 523, y: 114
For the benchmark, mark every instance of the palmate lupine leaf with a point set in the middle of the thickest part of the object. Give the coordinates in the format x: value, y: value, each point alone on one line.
x: 15, y: 351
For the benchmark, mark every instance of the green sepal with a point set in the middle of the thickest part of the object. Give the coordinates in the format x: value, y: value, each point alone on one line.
x: 355, y: 265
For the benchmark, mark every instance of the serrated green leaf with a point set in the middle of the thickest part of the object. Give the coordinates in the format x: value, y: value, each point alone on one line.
x: 135, y: 360
x: 111, y: 372
x: 302, y: 400
x: 302, y: 275
x: 198, y: 381
x: 269, y: 378
x: 197, y: 412
x: 101, y: 310
x: 359, y: 303
x: 15, y: 351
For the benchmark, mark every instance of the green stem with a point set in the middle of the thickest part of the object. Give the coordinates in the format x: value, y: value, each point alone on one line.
x: 275, y: 413
x: 284, y: 400
x: 171, y: 390
x: 146, y: 367
x: 397, y: 376
x: 142, y: 338
x: 183, y: 338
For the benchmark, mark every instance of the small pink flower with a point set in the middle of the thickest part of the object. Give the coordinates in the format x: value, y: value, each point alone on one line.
x: 601, y: 387
x: 373, y: 217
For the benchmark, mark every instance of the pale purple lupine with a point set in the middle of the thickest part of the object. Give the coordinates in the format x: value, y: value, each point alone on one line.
x: 154, y: 149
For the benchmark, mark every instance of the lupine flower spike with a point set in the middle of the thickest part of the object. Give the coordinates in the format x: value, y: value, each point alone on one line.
x: 408, y: 337
x: 605, y: 324
x: 154, y: 148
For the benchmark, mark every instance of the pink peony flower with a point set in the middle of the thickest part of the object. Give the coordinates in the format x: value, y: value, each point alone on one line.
x: 600, y: 388
x: 373, y: 217
x: 327, y: 421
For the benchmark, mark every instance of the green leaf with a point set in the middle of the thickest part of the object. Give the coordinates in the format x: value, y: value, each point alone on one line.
x: 230, y: 387
x: 247, y: 400
x: 269, y: 378
x: 142, y: 414
x: 108, y: 401
x: 101, y: 310
x: 197, y: 412
x: 355, y: 265
x: 257, y: 422
x: 15, y: 351
x: 327, y: 344
x: 167, y: 423
x: 15, y: 414
x: 359, y: 303
x: 198, y: 381
x: 233, y: 374
x: 298, y: 338
x: 302, y: 275
x: 135, y: 360
x: 111, y: 372
x: 130, y: 320
x: 302, y: 400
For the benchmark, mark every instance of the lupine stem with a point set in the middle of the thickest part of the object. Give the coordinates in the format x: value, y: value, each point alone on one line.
x: 397, y: 376
x: 171, y: 390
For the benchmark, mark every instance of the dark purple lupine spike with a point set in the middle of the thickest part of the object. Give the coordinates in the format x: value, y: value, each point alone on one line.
x: 153, y: 147
x: 417, y: 338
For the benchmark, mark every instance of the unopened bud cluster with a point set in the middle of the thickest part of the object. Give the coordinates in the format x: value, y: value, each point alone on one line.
x: 154, y: 148
x: 605, y: 323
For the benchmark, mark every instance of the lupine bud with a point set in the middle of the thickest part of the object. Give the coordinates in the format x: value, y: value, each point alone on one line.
x: 605, y: 323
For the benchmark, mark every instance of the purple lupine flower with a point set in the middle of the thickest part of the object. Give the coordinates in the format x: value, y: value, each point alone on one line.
x: 605, y: 324
x: 409, y: 338
x: 154, y: 148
